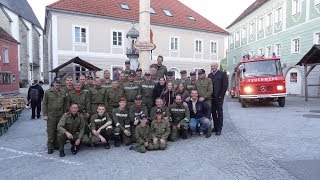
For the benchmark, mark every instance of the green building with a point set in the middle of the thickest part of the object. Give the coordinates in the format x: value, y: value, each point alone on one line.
x: 288, y: 28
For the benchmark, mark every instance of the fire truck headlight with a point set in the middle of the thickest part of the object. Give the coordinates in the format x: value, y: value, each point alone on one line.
x: 247, y: 89
x: 280, y: 88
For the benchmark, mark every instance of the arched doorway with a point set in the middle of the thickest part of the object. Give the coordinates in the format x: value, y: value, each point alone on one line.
x: 294, y: 81
x: 176, y: 72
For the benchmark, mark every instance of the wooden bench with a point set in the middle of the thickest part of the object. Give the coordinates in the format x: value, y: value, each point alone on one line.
x: 3, y: 126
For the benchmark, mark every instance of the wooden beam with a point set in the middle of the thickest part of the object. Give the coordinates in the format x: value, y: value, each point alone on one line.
x: 305, y: 83
x: 310, y: 69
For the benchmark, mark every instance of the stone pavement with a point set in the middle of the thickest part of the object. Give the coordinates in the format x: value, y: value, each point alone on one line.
x: 252, y: 146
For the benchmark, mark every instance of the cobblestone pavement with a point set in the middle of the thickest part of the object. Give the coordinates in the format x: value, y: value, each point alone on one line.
x: 235, y: 154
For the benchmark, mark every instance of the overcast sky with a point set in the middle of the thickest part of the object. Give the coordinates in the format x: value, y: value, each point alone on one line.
x: 220, y: 12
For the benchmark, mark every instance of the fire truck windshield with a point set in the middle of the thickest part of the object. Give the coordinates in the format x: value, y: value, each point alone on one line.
x: 262, y: 68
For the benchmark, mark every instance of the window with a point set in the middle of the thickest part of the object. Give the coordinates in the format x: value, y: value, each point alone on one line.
x: 278, y: 15
x: 167, y: 12
x: 231, y: 39
x: 198, y: 46
x: 5, y: 55
x: 174, y: 41
x: 269, y: 20
x: 269, y: 51
x: 152, y: 11
x: 251, y: 28
x: 317, y: 38
x: 116, y: 38
x: 213, y: 47
x: 260, y: 24
x: 237, y: 36
x: 80, y: 35
x: 5, y: 78
x: 124, y: 6
x: 191, y: 18
x: 244, y: 32
x: 13, y: 78
x: 278, y: 50
x: 252, y: 53
x: 296, y: 7
x: 296, y: 45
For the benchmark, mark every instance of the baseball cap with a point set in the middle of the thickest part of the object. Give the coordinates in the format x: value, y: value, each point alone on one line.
x: 169, y: 73
x: 127, y: 62
x: 138, y: 97
x: 57, y: 80
x: 132, y: 74
x: 147, y: 74
x: 143, y: 116
x: 158, y: 111
x: 90, y: 77
x: 192, y: 73
x: 139, y: 69
x: 201, y: 71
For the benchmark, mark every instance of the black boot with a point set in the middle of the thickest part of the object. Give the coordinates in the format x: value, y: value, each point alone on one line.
x: 117, y: 141
x: 184, y: 133
x: 107, y: 145
x: 74, y: 149
x: 61, y: 154
x: 208, y: 133
x: 50, y: 151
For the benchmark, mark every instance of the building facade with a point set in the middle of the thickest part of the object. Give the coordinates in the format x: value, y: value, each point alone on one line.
x: 9, y: 74
x: 288, y: 28
x: 19, y: 20
x: 104, y: 34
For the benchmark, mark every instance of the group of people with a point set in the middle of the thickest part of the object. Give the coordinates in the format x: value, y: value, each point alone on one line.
x: 146, y: 110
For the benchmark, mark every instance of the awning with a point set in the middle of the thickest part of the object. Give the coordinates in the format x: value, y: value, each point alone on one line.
x: 79, y: 61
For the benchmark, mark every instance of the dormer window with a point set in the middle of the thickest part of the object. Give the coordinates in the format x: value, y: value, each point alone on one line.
x: 192, y: 18
x: 152, y: 11
x: 167, y: 12
x: 124, y: 6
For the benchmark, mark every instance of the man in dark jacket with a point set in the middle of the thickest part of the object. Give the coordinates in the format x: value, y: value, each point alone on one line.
x: 35, y: 96
x: 199, y: 114
x: 220, y: 85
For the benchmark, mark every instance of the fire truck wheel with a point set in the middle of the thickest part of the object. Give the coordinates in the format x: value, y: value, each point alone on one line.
x: 244, y: 103
x: 282, y: 101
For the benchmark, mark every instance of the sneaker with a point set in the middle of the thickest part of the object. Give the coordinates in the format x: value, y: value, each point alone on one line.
x: 74, y: 149
x: 107, y: 145
x: 201, y: 133
x: 62, y: 154
x: 50, y: 151
x: 218, y: 133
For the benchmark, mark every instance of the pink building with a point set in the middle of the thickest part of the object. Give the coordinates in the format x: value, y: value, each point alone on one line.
x: 9, y: 74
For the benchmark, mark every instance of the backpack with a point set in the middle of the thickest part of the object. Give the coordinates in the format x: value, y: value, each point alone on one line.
x: 34, y: 94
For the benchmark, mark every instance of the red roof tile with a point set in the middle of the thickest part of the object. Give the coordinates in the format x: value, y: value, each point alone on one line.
x: 111, y: 8
x: 254, y: 6
x: 6, y: 36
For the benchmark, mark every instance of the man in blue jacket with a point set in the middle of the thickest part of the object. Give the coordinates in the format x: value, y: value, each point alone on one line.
x: 200, y: 113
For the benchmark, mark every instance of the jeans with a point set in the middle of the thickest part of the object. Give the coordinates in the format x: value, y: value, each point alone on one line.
x: 203, y: 126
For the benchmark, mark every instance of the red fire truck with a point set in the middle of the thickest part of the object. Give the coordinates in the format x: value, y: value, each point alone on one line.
x: 258, y: 79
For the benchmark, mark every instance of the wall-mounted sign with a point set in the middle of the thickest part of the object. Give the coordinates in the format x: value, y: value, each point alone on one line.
x: 144, y: 46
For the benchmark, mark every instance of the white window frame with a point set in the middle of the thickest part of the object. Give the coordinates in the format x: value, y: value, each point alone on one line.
x: 296, y: 7
x: 124, y: 6
x: 269, y: 51
x: 212, y: 49
x: 176, y: 45
x: 117, y: 36
x: 231, y: 39
x: 278, y: 15
x: 237, y: 36
x: 295, y: 46
x: 198, y: 47
x: 269, y: 20
x: 244, y: 32
x: 86, y: 35
x: 252, y: 53
x: 152, y: 11
x: 167, y: 12
x: 317, y: 38
x: 277, y: 49
x: 5, y: 54
x: 252, y: 28
x: 261, y: 24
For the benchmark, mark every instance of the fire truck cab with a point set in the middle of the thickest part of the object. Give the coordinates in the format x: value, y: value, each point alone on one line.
x: 258, y: 79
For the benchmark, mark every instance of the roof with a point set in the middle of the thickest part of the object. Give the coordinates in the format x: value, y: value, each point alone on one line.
x: 133, y: 33
x: 312, y: 57
x: 6, y: 36
x: 79, y: 61
x: 254, y: 6
x: 111, y: 8
x: 23, y: 9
